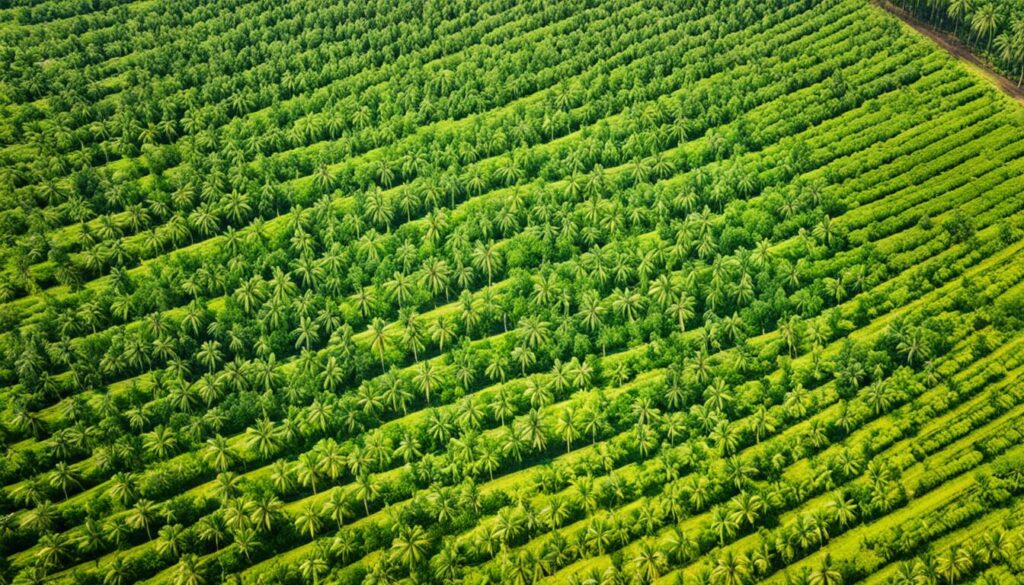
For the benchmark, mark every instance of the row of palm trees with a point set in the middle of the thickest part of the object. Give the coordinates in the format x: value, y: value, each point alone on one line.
x: 995, y: 28
x: 380, y: 178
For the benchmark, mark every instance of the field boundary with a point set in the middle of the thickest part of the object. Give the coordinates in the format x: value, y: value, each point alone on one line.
x: 956, y: 48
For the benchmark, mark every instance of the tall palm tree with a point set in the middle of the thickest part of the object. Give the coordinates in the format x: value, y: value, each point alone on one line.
x: 264, y: 437
x: 985, y: 21
x: 379, y: 339
x: 486, y: 257
x: 366, y: 490
x: 336, y: 507
x: 958, y: 10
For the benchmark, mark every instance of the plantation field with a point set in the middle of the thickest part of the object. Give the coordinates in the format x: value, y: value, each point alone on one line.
x: 595, y: 292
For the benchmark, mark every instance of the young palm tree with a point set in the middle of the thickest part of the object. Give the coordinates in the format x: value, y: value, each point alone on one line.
x: 336, y: 507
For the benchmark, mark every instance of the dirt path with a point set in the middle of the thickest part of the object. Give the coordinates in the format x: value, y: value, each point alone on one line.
x: 953, y: 45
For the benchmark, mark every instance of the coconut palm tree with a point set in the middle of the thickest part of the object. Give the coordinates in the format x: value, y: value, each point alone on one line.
x: 142, y: 515
x: 958, y: 10
x: 211, y: 528
x: 826, y: 573
x: 315, y: 565
x: 307, y: 521
x: 307, y: 469
x: 985, y: 21
x: 649, y: 562
x: 64, y: 477
x: 410, y: 546
x: 731, y: 569
x: 218, y: 453
x: 366, y: 490
x: 264, y: 437
x: 379, y: 339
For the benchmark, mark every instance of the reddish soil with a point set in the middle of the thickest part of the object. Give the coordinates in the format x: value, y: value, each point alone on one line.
x: 956, y: 48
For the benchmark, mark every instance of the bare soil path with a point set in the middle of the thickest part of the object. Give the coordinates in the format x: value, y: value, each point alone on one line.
x: 953, y: 45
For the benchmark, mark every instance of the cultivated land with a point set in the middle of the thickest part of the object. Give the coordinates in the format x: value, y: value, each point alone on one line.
x: 590, y: 292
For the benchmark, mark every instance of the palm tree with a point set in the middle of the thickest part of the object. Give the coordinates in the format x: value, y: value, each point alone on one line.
x: 218, y: 453
x: 442, y: 332
x: 649, y: 562
x: 366, y: 490
x: 52, y: 550
x: 264, y: 438
x: 427, y: 377
x: 91, y: 538
x: 731, y: 569
x: 314, y: 565
x: 264, y: 510
x: 118, y: 572
x: 142, y: 515
x: 335, y: 507
x: 723, y: 524
x: 410, y: 546
x: 188, y: 572
x: 913, y: 345
x: 123, y: 487
x: 308, y: 521
x: 747, y: 508
x: 957, y: 10
x: 63, y: 477
x: 843, y: 510
x: 533, y: 332
x: 209, y: 354
x: 985, y: 22
x: 682, y: 309
x: 161, y: 442
x: 307, y: 469
x: 679, y: 546
x: 247, y: 541
x: 826, y: 573
x: 211, y: 528
x: 170, y: 539
x: 487, y: 258
x: 566, y: 427
x: 954, y: 563
x: 627, y: 303
x: 379, y: 339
